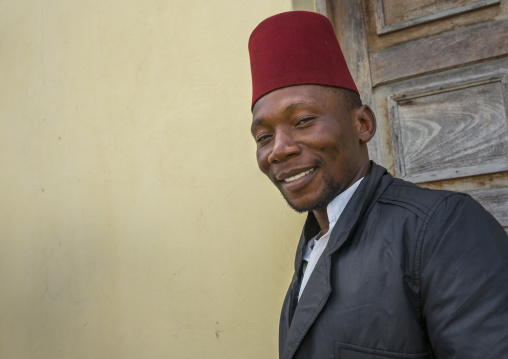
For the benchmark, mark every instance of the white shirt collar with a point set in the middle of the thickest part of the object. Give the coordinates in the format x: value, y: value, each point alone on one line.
x: 337, y: 205
x: 315, y: 248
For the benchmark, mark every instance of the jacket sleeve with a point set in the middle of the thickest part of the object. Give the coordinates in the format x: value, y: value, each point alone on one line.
x: 464, y: 281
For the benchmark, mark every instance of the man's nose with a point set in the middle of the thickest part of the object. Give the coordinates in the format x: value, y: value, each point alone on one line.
x: 284, y: 146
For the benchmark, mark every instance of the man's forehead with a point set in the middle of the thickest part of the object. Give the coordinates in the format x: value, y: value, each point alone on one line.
x: 289, y: 99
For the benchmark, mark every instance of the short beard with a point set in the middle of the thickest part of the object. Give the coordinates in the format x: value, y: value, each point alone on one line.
x: 331, y: 190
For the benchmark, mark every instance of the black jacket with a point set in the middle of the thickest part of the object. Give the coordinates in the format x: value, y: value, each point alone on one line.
x: 408, y: 273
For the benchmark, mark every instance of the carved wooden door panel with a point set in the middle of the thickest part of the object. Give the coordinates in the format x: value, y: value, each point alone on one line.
x: 435, y: 73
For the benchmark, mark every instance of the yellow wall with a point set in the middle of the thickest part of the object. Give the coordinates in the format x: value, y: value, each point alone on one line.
x: 134, y: 222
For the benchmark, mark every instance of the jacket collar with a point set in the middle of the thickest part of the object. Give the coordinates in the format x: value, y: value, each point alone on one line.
x: 318, y: 288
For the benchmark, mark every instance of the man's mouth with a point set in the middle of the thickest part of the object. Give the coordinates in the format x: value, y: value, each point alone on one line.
x: 298, y: 176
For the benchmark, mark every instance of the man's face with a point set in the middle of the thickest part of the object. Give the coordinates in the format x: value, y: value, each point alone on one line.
x: 307, y: 144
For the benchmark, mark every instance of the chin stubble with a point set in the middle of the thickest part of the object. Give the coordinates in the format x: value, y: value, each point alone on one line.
x: 331, y: 190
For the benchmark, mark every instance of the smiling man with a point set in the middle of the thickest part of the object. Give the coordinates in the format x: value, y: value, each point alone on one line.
x: 320, y: 151
x: 383, y: 269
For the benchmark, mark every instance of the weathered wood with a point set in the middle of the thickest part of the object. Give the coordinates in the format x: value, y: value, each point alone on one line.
x: 436, y: 28
x: 401, y: 10
x: 426, y: 55
x: 348, y: 22
x: 397, y: 143
x: 451, y: 128
x: 468, y: 184
x: 384, y: 27
x: 439, y: 91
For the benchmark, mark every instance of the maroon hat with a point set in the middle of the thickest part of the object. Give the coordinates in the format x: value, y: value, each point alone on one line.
x: 296, y: 48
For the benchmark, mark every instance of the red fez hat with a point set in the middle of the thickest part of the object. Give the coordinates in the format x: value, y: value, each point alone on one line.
x: 296, y: 48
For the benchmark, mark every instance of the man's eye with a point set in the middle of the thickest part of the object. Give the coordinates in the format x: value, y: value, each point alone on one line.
x: 304, y: 121
x: 262, y: 138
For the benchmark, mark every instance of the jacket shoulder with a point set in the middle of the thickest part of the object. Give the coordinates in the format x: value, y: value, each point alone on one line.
x: 421, y: 201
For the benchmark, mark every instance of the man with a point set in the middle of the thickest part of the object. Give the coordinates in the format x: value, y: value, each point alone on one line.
x: 383, y: 269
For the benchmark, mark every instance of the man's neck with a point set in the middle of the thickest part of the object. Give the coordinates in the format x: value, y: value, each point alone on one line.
x: 322, y: 218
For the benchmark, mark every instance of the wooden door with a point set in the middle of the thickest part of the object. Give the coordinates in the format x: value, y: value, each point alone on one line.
x: 435, y: 73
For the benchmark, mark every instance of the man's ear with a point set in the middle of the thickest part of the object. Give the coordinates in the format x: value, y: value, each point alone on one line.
x: 366, y: 123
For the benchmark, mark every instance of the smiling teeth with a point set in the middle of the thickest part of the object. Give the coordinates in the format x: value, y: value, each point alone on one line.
x: 300, y: 175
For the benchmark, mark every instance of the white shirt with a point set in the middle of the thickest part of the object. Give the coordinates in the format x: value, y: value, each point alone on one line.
x: 315, y: 247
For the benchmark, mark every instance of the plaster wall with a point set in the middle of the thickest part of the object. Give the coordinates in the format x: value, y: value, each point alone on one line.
x: 134, y: 222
